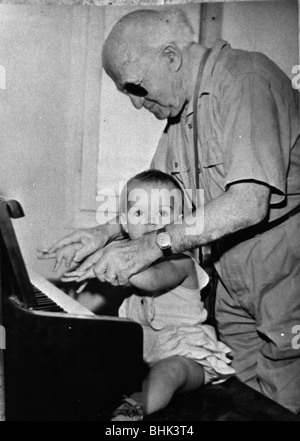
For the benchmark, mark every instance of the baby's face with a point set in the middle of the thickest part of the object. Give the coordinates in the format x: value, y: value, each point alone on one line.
x: 150, y: 209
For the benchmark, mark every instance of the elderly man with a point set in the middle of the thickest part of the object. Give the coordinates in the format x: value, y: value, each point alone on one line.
x: 248, y: 163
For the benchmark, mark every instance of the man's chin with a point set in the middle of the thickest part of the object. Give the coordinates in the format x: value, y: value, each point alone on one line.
x: 166, y: 113
x: 161, y: 113
x: 160, y: 116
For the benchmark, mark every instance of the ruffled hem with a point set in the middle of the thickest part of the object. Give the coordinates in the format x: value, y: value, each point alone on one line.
x: 198, y: 343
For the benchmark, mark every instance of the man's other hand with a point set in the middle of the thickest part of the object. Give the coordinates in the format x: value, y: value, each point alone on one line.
x: 85, y: 242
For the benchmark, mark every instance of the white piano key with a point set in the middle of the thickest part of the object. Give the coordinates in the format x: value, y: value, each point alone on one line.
x: 58, y: 296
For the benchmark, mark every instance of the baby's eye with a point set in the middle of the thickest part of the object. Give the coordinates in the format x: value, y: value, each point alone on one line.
x: 163, y: 213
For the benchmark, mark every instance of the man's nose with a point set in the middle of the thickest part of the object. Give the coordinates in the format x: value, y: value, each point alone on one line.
x: 137, y: 101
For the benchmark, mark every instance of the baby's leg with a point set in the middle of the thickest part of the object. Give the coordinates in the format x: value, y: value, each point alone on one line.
x: 166, y: 377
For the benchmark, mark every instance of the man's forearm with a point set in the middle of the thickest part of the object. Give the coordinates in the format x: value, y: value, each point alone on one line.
x: 240, y: 208
x: 204, y: 226
x: 243, y: 206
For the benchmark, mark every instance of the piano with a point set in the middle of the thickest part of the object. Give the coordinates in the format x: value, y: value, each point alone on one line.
x: 62, y: 362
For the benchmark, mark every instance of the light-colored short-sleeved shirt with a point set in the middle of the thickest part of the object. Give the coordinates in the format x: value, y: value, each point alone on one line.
x: 248, y: 126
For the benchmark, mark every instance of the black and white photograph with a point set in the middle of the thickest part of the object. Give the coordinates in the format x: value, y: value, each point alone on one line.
x: 149, y: 213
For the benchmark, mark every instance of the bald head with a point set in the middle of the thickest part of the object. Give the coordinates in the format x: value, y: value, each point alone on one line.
x: 138, y: 34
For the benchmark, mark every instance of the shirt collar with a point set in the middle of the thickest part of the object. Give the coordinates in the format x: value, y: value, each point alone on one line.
x: 206, y: 83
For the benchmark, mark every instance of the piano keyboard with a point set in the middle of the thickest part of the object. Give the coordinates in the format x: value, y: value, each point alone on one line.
x: 52, y: 299
x: 44, y: 303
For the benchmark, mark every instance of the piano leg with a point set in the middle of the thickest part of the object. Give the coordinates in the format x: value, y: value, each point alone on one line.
x: 2, y: 405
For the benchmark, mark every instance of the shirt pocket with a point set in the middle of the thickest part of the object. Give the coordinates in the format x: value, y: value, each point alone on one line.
x: 211, y: 153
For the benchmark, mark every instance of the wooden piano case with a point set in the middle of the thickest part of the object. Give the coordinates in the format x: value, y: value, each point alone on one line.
x: 60, y: 366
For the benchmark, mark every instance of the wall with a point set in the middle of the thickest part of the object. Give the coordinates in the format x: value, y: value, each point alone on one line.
x: 52, y: 137
x: 270, y: 27
x: 35, y: 52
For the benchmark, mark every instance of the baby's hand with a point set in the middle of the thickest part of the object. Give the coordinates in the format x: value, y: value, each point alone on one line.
x: 66, y: 253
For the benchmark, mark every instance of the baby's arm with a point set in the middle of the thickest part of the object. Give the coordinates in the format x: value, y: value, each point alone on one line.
x: 165, y: 274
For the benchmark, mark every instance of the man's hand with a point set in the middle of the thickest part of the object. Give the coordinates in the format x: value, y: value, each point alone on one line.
x: 81, y: 244
x: 118, y: 261
x: 65, y: 253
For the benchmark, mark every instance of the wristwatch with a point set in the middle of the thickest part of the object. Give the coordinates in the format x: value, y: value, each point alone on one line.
x: 164, y: 241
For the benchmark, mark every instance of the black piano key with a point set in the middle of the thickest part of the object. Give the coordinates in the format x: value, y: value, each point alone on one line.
x: 44, y: 303
x: 49, y: 308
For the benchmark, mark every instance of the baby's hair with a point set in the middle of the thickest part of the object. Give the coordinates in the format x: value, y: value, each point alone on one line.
x: 152, y: 177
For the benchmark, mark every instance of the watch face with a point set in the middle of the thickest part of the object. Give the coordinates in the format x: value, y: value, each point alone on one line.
x: 164, y: 240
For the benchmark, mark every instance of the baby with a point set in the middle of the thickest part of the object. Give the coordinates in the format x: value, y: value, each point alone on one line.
x: 182, y: 353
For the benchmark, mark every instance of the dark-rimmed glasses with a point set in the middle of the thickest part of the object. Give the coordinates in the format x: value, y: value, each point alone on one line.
x: 136, y: 88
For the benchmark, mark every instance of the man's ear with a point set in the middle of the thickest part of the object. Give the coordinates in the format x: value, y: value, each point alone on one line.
x: 174, y: 56
x: 123, y: 220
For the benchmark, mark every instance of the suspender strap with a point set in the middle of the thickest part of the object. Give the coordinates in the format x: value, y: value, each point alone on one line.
x: 195, y: 130
x: 195, y: 108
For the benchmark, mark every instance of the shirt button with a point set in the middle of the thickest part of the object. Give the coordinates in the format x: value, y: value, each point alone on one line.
x: 176, y: 164
x: 190, y: 125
